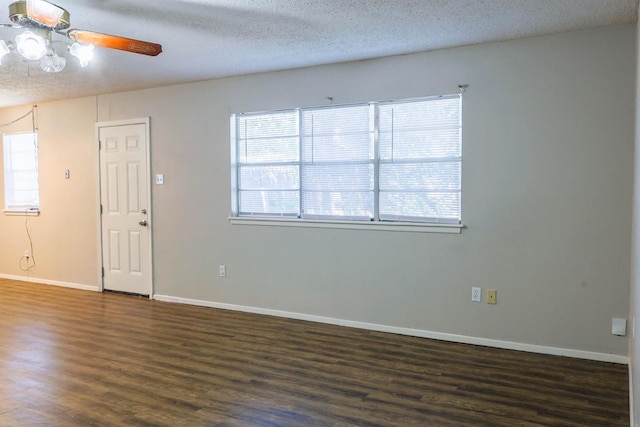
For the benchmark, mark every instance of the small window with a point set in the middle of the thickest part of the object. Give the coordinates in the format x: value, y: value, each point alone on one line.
x: 21, y: 190
x: 397, y: 161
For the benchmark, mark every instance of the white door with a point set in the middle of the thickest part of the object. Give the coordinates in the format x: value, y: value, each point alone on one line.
x: 124, y: 199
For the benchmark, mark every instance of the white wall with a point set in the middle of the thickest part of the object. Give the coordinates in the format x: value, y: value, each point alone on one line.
x: 65, y: 237
x: 548, y: 174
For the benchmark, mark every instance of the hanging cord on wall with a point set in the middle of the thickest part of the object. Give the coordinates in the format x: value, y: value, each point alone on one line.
x: 34, y: 110
x: 31, y: 112
x: 27, y: 262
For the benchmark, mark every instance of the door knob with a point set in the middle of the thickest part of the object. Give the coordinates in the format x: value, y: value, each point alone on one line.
x: 143, y: 223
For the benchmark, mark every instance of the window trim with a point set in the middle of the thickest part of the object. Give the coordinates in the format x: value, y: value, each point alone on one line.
x: 22, y: 212
x: 419, y: 227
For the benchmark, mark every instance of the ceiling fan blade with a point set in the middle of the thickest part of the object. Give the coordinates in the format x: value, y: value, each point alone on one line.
x: 44, y: 13
x: 115, y: 42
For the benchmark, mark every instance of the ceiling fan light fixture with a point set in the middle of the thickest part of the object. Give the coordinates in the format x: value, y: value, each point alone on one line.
x: 53, y: 63
x: 39, y: 20
x: 84, y: 52
x: 31, y: 45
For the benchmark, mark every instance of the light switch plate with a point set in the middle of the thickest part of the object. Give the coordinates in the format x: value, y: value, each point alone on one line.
x: 619, y: 327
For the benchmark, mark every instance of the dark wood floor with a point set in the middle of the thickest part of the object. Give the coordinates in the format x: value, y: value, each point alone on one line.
x: 76, y: 358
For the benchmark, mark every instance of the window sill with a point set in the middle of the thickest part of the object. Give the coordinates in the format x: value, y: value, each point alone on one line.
x: 415, y: 227
x: 27, y: 212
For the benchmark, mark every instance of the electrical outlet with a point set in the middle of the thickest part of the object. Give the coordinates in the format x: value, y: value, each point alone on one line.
x: 492, y: 297
x: 223, y: 271
x: 476, y: 294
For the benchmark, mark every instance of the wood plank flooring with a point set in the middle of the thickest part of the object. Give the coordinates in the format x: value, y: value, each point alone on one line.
x: 76, y: 358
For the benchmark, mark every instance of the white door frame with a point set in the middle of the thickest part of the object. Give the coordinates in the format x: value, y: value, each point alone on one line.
x: 141, y: 121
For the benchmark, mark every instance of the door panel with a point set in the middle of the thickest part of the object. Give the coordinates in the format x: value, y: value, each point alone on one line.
x: 135, y: 252
x: 112, y: 188
x: 124, y: 191
x: 114, y: 252
x: 133, y: 190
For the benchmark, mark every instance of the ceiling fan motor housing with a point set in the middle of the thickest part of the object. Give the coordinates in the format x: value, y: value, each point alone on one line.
x: 19, y: 16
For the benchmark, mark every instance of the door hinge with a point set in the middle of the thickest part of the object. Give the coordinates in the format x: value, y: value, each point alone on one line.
x: 102, y: 271
x: 100, y: 209
x: 99, y: 145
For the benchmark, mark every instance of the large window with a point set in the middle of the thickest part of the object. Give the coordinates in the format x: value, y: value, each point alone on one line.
x: 380, y: 161
x: 20, y: 153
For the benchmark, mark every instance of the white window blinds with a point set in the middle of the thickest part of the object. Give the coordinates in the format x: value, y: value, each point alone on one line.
x: 380, y: 161
x: 268, y: 169
x: 20, y: 153
x: 421, y: 160
x: 337, y: 163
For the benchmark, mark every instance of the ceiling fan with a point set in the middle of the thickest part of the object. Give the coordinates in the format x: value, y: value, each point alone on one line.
x: 41, y: 19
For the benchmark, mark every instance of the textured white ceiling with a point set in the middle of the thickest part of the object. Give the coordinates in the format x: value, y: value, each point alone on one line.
x: 204, y: 39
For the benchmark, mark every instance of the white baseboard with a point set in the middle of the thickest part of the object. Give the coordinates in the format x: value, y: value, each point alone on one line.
x: 51, y: 282
x: 532, y: 348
